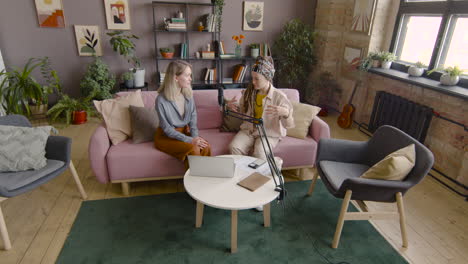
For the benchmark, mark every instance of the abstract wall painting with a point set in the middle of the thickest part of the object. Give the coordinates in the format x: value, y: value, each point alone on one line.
x: 88, y: 41
x: 351, y: 59
x: 362, y: 15
x: 117, y: 14
x: 253, y: 16
x: 50, y: 13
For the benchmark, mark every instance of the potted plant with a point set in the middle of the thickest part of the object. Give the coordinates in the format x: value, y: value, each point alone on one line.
x: 97, y: 80
x: 218, y: 11
x: 167, y: 53
x: 386, y: 58
x: 295, y: 54
x: 254, y: 50
x: 450, y: 75
x: 374, y: 58
x: 75, y: 111
x: 417, y: 69
x: 52, y: 85
x: 19, y: 88
x: 123, y: 44
x: 127, y: 78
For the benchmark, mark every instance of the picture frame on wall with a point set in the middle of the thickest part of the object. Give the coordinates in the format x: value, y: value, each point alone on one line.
x: 352, y: 57
x: 363, y: 15
x: 117, y: 14
x: 253, y: 16
x: 88, y: 40
x: 50, y: 13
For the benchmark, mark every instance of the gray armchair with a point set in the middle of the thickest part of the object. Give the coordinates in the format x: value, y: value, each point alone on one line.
x: 341, y: 162
x: 58, y: 152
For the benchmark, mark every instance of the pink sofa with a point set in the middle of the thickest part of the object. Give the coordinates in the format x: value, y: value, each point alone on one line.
x: 127, y: 162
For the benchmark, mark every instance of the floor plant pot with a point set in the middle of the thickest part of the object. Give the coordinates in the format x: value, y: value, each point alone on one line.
x: 446, y: 79
x: 415, y: 71
x: 139, y: 78
x: 38, y: 109
x: 386, y: 64
x: 129, y: 83
x: 79, y: 117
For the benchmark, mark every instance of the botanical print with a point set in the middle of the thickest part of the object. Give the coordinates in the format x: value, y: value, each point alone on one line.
x: 88, y: 41
x: 351, y: 59
x: 50, y: 13
x: 253, y: 16
x: 362, y: 15
x: 117, y: 14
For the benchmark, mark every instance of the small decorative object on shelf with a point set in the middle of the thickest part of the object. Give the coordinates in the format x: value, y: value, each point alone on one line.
x: 200, y: 26
x: 254, y: 50
x: 167, y: 53
x: 238, y: 40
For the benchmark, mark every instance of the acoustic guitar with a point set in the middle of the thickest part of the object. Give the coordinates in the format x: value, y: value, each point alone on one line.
x: 345, y: 120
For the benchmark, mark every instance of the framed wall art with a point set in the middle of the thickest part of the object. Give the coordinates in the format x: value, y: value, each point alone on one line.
x: 352, y: 57
x: 117, y: 14
x: 50, y: 13
x: 253, y: 16
x: 88, y: 40
x: 363, y: 13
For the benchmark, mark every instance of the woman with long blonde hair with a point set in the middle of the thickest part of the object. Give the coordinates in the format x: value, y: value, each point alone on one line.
x: 177, y: 134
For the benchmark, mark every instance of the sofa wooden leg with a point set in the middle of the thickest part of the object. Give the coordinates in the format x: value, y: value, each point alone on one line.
x: 312, y: 185
x: 78, y: 181
x: 341, y: 218
x: 126, y: 188
x: 3, y: 229
x: 401, y: 211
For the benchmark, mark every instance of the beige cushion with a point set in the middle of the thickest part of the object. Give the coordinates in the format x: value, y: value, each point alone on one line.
x: 393, y: 167
x: 117, y: 116
x: 303, y: 115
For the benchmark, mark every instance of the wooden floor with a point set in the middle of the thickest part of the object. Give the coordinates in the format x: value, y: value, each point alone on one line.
x: 39, y: 221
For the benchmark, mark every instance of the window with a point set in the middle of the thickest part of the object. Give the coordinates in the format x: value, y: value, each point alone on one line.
x: 433, y: 32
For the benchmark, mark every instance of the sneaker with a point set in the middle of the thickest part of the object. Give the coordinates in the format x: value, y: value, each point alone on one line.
x: 259, y: 208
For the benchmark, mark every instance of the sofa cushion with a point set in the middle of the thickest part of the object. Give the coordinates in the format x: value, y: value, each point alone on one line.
x: 209, y: 116
x: 303, y: 115
x: 337, y: 172
x: 144, y: 124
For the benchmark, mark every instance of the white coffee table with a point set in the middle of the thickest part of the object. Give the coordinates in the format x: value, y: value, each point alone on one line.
x: 224, y: 193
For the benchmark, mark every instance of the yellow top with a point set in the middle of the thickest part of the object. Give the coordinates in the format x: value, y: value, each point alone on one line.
x: 259, y: 105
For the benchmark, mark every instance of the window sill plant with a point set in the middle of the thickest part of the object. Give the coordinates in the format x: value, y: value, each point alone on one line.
x: 417, y: 69
x: 450, y: 75
x: 386, y: 58
x: 167, y: 53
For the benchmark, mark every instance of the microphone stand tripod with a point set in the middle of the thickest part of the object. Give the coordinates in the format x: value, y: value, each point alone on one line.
x: 258, y: 123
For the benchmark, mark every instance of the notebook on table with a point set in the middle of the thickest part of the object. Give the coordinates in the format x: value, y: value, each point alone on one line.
x: 254, y: 181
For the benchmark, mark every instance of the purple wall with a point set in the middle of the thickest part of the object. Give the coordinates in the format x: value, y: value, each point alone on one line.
x: 21, y: 37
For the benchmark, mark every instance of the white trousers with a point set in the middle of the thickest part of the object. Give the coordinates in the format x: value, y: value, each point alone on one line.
x: 245, y: 143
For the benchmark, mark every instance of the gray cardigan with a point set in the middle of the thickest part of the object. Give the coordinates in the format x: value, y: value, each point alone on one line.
x: 170, y: 118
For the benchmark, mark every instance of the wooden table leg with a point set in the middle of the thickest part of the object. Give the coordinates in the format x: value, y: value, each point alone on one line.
x: 233, y: 231
x: 266, y: 215
x: 199, y: 215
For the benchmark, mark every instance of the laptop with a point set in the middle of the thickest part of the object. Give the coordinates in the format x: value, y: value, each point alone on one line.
x: 222, y: 167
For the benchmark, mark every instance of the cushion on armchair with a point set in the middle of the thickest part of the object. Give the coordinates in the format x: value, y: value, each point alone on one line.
x: 394, y: 166
x: 23, y: 148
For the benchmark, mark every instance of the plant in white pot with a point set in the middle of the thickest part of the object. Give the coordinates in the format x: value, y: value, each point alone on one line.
x: 450, y: 75
x: 417, y: 69
x: 123, y: 44
x: 386, y: 58
x: 254, y: 50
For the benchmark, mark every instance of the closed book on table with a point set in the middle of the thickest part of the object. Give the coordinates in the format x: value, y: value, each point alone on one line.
x: 254, y: 181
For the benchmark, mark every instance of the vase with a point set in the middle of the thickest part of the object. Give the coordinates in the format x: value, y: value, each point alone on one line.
x: 254, y: 53
x: 415, y: 71
x: 238, y: 51
x: 446, y: 79
x: 386, y: 64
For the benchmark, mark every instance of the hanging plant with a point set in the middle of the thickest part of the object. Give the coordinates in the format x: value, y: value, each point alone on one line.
x: 219, y: 4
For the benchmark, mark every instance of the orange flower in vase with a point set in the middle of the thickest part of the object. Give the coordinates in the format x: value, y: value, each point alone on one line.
x: 238, y: 39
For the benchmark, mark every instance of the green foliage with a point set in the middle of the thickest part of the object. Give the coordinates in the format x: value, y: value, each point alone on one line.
x: 254, y: 46
x: 452, y: 71
x: 66, y: 105
x: 294, y: 51
x: 218, y: 11
x: 97, y: 81
x: 19, y: 87
x: 52, y: 80
x: 127, y: 76
x: 420, y: 65
x: 122, y: 43
x: 386, y: 56
x: 166, y: 50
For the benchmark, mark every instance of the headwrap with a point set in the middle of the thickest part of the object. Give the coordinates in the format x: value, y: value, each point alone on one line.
x: 265, y: 66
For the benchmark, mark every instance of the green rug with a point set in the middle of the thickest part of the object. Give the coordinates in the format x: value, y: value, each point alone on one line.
x: 161, y: 229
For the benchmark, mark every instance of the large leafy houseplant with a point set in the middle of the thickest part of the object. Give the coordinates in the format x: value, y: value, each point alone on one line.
x: 123, y: 44
x: 294, y: 52
x: 218, y: 11
x: 19, y: 88
x: 97, y: 81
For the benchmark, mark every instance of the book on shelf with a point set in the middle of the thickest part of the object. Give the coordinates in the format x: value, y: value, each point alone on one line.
x: 227, y: 56
x: 183, y: 50
x: 210, y: 22
x: 161, y: 77
x: 208, y: 54
x: 210, y: 74
x: 237, y: 72
x: 265, y: 49
x: 227, y: 80
x: 178, y: 20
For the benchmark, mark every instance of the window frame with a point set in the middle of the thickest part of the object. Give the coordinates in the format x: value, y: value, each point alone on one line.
x: 446, y: 9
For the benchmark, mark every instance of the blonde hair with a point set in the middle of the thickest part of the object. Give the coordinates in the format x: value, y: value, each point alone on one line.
x: 169, y: 88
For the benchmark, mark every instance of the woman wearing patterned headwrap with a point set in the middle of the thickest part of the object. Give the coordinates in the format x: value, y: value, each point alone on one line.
x: 261, y: 100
